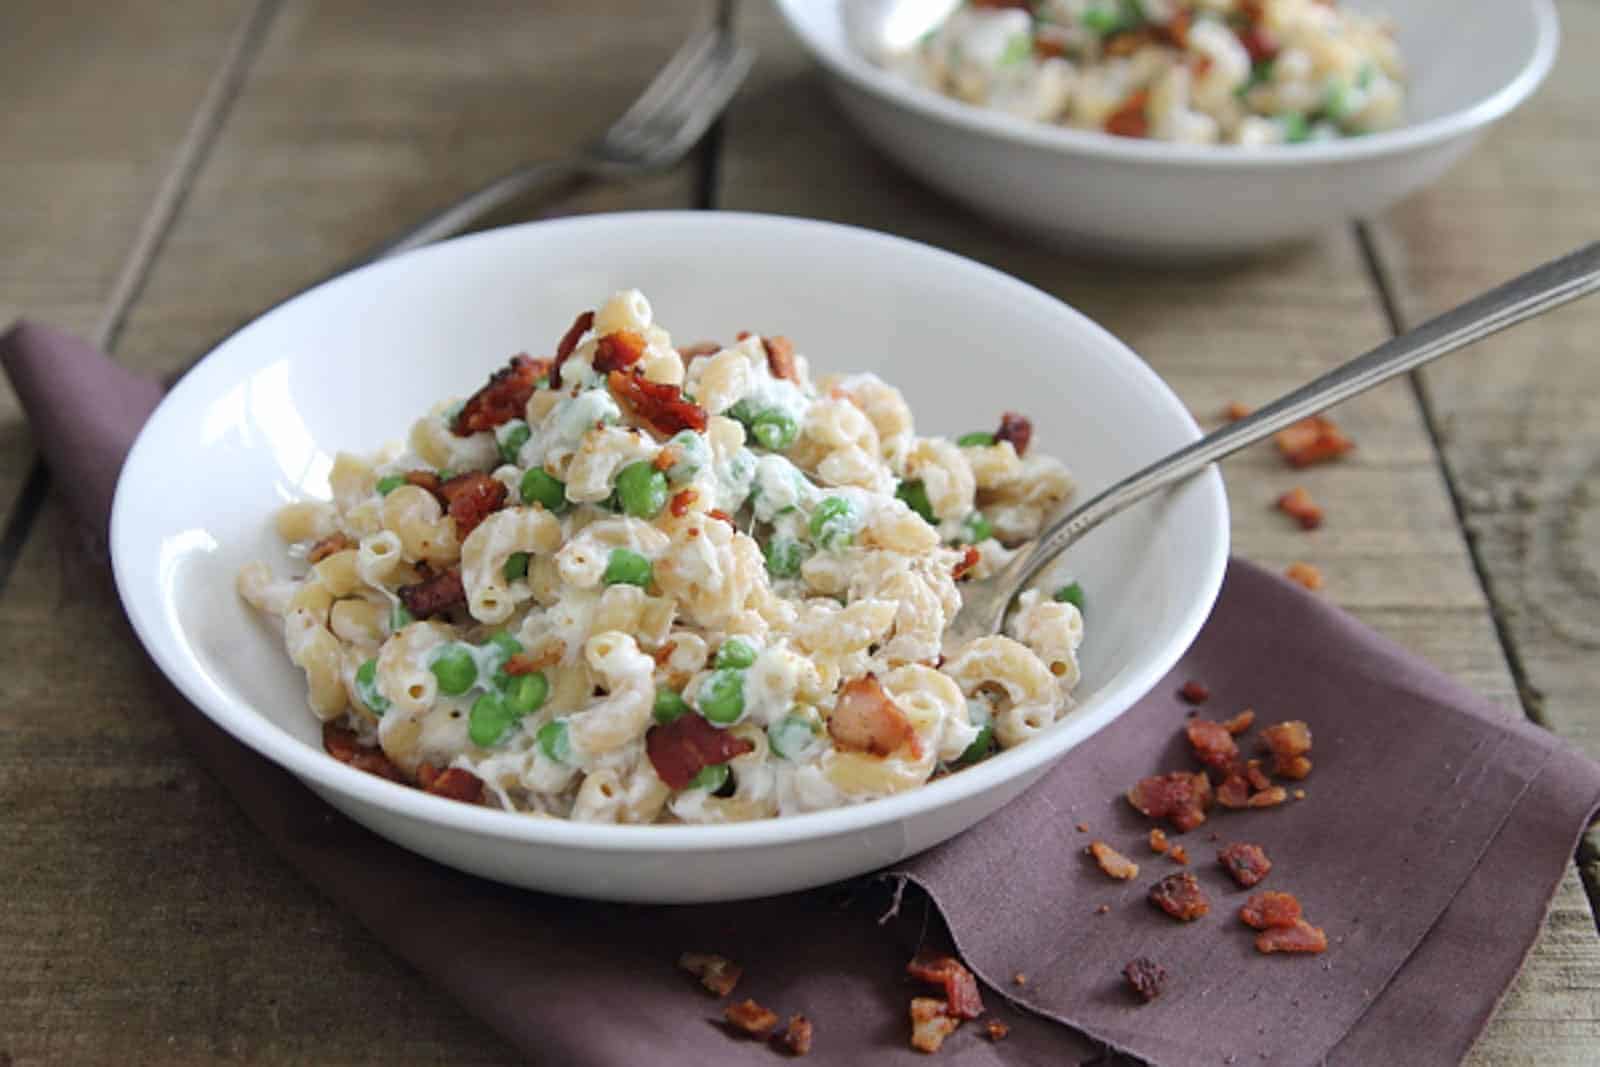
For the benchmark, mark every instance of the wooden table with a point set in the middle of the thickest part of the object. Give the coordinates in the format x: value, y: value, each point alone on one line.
x: 171, y: 168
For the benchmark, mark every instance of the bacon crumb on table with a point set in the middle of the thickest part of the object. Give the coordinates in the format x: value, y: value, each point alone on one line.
x: 1194, y: 692
x: 1240, y: 722
x: 1289, y: 743
x: 1178, y: 854
x: 750, y: 1018
x: 1145, y: 977
x: 1298, y: 505
x: 795, y: 1038
x: 1269, y: 798
x: 1180, y: 797
x: 717, y: 973
x: 1304, y: 574
x: 930, y: 1024
x: 1212, y: 743
x: 1313, y: 440
x: 1113, y: 862
x: 1266, y: 910
x: 1235, y: 411
x: 1158, y: 840
x: 995, y: 1030
x: 962, y: 999
x: 1180, y: 896
x: 1301, y: 937
x: 1246, y: 863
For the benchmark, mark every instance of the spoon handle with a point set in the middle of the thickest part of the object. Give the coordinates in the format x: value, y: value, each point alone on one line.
x: 1541, y: 289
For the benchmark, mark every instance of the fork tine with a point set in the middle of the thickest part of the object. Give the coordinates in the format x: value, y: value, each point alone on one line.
x: 688, y: 116
x: 684, y: 64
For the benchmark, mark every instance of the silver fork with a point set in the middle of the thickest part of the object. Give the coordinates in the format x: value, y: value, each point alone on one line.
x: 667, y: 119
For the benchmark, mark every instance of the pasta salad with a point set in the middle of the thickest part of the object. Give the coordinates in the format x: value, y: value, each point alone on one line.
x: 641, y: 583
x: 1244, y: 72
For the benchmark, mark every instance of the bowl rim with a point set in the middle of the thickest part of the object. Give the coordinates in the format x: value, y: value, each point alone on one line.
x: 848, y: 64
x: 142, y: 596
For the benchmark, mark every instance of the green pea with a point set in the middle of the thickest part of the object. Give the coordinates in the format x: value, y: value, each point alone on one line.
x: 455, y: 668
x: 510, y: 438
x: 915, y: 494
x: 367, y: 687
x: 833, y: 523
x: 526, y: 693
x: 975, y: 529
x: 642, y: 490
x: 505, y: 645
x: 554, y: 741
x: 489, y: 720
x: 721, y: 697
x: 774, y: 430
x: 669, y: 706
x: 983, y: 744
x: 389, y: 483
x: 1071, y: 593
x: 711, y: 778
x: 399, y: 617
x: 541, y: 488
x: 1295, y: 127
x: 626, y: 567
x: 784, y: 556
x: 1018, y: 48
x: 791, y: 735
x: 735, y: 653
x: 445, y: 474
x: 1337, y: 100
x: 975, y: 440
x: 516, y: 566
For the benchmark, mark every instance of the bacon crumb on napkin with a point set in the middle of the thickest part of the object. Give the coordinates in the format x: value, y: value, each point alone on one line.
x: 1114, y: 863
x: 717, y: 974
x: 1194, y: 692
x: 1301, y: 937
x: 960, y: 986
x: 995, y: 1030
x: 749, y: 1018
x: 1158, y: 840
x: 1246, y: 863
x: 930, y: 1024
x: 1234, y: 792
x: 1145, y: 977
x: 1240, y: 722
x: 795, y: 1037
x: 1180, y: 896
x: 1178, y: 854
x: 1266, y: 910
x: 1289, y: 742
x: 1213, y: 744
x: 1180, y: 797
x: 1270, y: 797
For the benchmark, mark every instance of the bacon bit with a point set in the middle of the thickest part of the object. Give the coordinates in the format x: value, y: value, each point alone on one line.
x: 960, y: 987
x: 1104, y: 909
x: 664, y: 653
x: 1180, y: 896
x: 1048, y: 47
x: 1194, y: 692
x: 1180, y: 797
x: 1269, y: 798
x: 569, y: 344
x: 718, y: 513
x: 1248, y: 864
x: 1177, y: 31
x: 1240, y: 722
x: 1082, y: 828
x: 995, y: 1030
x: 1255, y: 776
x: 679, y: 504
x: 335, y: 542
x: 866, y: 720
x: 780, y: 357
x: 690, y: 353
x: 520, y: 664
x: 453, y: 783
x: 1259, y: 42
x: 1299, y: 794
x: 1113, y: 862
x: 1301, y: 937
x: 1298, y: 505
x: 1235, y: 411
x: 1145, y: 977
x: 1129, y: 120
x: 929, y: 1024
x: 969, y: 559
x: 1179, y: 854
x: 503, y: 398
x: 751, y: 1019
x: 664, y: 459
x: 1289, y: 742
x: 618, y: 351
x: 658, y: 404
x: 1158, y: 840
x: 1019, y: 979
x: 344, y: 746
x: 1268, y: 910
x: 471, y: 498
x: 1212, y: 743
x: 796, y: 1036
x: 1312, y: 440
x: 1128, y: 42
x: 425, y: 480
x: 717, y: 974
x: 682, y: 748
x: 1305, y: 574
x: 1018, y: 429
x: 434, y: 595
x: 1234, y: 792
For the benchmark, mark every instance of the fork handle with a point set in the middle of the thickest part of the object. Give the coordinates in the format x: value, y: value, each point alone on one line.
x: 1539, y: 290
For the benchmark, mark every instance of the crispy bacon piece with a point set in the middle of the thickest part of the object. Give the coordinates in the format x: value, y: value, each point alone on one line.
x: 1180, y: 797
x: 962, y: 999
x: 1312, y: 440
x: 684, y: 747
x: 969, y: 559
x: 690, y: 353
x: 1018, y: 429
x: 664, y: 459
x: 866, y: 720
x: 718, y: 974
x: 472, y: 497
x: 1194, y: 692
x: 452, y: 783
x: 751, y: 1019
x: 1113, y: 862
x: 1145, y: 977
x: 1180, y: 896
x: 1248, y: 864
x: 1301, y: 937
x: 1267, y: 910
x: 426, y: 480
x: 1260, y: 42
x: 1256, y: 776
x: 1289, y: 743
x: 796, y: 1036
x: 930, y: 1025
x: 618, y: 351
x: 1177, y: 31
x: 1305, y: 574
x: 343, y: 746
x: 1048, y: 47
x: 434, y: 595
x: 1234, y: 792
x: 1212, y: 743
x: 503, y: 398
x: 520, y: 664
x: 679, y: 504
x: 1158, y: 840
x: 1178, y: 854
x: 718, y: 513
x: 569, y: 344
x: 1269, y: 798
x: 334, y: 542
x: 995, y: 1030
x: 1240, y: 722
x: 660, y: 405
x: 1298, y: 505
x: 780, y: 357
x: 1129, y: 120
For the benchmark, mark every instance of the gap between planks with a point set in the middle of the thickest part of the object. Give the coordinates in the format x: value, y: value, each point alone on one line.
x: 210, y: 115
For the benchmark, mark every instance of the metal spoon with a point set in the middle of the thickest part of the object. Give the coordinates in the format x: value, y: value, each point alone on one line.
x: 881, y: 28
x: 1562, y: 280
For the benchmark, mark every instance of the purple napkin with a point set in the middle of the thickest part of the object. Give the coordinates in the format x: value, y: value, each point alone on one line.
x: 1432, y: 836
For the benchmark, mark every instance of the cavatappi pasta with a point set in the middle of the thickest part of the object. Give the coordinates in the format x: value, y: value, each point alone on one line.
x: 642, y: 584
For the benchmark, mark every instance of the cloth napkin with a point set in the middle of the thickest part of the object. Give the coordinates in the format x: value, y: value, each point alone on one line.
x: 1432, y: 836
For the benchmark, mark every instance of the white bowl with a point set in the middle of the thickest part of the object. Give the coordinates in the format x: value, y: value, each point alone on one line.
x: 1470, y: 61
x: 348, y: 365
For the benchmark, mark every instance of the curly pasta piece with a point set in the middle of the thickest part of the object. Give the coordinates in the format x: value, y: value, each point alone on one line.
x: 623, y: 714
x: 316, y: 651
x: 945, y: 476
x: 1022, y: 688
x: 491, y: 598
x: 1052, y: 630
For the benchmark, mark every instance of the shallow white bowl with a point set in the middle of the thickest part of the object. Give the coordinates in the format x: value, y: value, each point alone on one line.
x: 348, y: 365
x: 1471, y: 62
